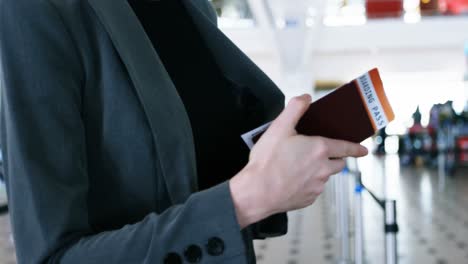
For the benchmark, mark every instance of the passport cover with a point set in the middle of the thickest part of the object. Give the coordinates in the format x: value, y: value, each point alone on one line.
x: 353, y: 112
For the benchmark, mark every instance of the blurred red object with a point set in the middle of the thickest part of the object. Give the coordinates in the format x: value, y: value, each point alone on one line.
x: 457, y: 7
x: 384, y: 8
x: 463, y: 157
x: 417, y: 128
x: 429, y: 7
x: 463, y: 143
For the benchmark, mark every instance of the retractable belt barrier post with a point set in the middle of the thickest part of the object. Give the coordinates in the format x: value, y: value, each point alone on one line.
x: 358, y: 222
x: 442, y: 140
x: 391, y: 230
x: 3, y: 209
x: 342, y: 195
x: 390, y: 223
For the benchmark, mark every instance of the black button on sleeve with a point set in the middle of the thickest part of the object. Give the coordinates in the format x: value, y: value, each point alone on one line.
x: 173, y: 258
x: 193, y: 254
x: 215, y: 246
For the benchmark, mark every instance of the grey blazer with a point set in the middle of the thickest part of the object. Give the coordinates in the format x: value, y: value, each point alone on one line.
x: 98, y: 148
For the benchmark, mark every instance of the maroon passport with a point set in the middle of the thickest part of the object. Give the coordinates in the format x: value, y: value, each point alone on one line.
x: 353, y: 112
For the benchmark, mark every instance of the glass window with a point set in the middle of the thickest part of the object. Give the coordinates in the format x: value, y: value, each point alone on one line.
x: 234, y: 13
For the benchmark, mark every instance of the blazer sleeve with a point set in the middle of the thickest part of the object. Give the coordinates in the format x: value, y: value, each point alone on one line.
x: 44, y: 147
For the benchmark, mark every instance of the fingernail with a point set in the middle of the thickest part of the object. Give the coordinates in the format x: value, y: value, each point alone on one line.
x: 365, y: 150
x: 307, y: 96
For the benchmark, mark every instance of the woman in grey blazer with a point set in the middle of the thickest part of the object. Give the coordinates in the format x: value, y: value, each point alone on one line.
x: 101, y: 150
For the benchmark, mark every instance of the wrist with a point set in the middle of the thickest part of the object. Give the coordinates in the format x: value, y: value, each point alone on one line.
x: 248, y: 198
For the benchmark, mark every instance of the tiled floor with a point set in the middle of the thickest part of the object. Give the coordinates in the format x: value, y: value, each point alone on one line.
x: 7, y: 255
x: 433, y: 223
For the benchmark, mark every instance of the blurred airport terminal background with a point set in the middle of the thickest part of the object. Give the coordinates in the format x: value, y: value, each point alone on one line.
x: 420, y: 160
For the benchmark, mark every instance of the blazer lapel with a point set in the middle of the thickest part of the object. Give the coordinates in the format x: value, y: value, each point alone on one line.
x: 235, y: 65
x: 167, y: 117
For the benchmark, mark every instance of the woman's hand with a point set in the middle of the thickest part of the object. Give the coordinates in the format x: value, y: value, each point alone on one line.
x: 287, y: 171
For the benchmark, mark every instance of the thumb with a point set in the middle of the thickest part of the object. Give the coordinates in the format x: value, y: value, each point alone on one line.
x: 288, y: 119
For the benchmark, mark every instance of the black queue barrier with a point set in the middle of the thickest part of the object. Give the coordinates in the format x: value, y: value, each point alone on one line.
x: 3, y: 209
x: 390, y: 224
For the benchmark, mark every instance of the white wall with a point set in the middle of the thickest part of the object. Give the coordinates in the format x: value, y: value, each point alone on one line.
x: 421, y: 63
x: 434, y: 44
